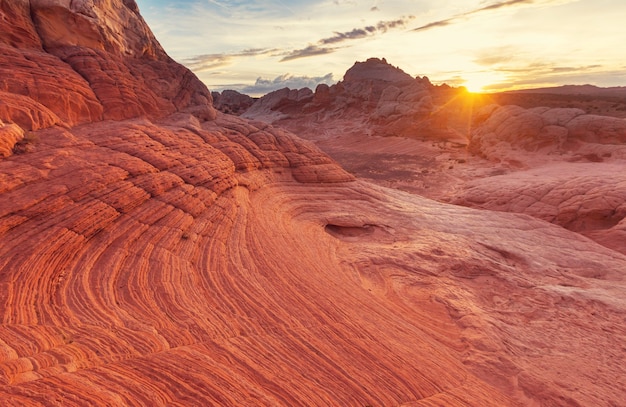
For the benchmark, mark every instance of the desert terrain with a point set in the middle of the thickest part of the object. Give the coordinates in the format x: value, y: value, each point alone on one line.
x: 378, y: 242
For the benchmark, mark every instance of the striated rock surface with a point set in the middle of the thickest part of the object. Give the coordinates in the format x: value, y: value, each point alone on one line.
x: 154, y: 264
x: 168, y: 255
x: 88, y: 60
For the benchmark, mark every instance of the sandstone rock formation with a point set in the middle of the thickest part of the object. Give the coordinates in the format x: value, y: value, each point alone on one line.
x: 498, y: 131
x: 583, y: 197
x: 154, y: 264
x: 231, y: 102
x: 73, y: 62
x: 279, y: 104
x: 174, y: 256
x: 571, y: 169
x: 382, y: 98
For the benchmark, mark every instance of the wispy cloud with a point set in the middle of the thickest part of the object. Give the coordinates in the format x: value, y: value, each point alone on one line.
x: 321, y: 47
x: 200, y: 63
x: 494, y: 6
x: 435, y: 24
x: 350, y: 35
x: 356, y: 33
x: 311, y: 50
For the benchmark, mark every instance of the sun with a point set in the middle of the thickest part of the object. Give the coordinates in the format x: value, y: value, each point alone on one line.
x: 479, y: 82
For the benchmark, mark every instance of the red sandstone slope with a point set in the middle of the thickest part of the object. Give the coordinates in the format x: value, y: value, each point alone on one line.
x: 83, y: 61
x: 171, y: 260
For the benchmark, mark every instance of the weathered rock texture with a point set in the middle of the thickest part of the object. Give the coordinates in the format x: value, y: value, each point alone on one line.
x: 178, y: 263
x: 499, y: 131
x: 72, y: 62
x: 381, y: 98
x: 231, y: 102
x: 570, y: 169
x: 170, y: 260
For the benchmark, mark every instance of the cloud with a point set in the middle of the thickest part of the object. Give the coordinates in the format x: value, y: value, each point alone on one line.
x: 545, y: 73
x: 497, y: 55
x: 350, y: 35
x: 440, y: 23
x: 356, y: 33
x: 309, y: 51
x: 500, y: 5
x: 206, y: 62
x: 495, y: 6
x: 263, y: 86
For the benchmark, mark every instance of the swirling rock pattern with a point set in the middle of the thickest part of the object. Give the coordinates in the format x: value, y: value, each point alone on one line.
x: 178, y: 264
x: 166, y: 255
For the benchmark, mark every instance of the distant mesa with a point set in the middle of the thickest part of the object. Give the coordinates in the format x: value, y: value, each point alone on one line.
x: 577, y: 90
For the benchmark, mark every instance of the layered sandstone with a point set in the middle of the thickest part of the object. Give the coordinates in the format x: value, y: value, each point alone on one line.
x: 76, y: 62
x: 379, y: 98
x: 229, y: 264
x: 172, y: 256
x: 499, y: 131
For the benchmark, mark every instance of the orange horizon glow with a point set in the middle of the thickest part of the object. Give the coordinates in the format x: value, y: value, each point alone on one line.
x: 487, y: 46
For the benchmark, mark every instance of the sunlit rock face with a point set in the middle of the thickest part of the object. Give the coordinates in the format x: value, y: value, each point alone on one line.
x: 378, y: 98
x: 83, y: 61
x: 166, y: 255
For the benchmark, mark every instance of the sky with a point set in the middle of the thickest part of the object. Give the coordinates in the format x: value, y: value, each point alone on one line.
x: 256, y: 46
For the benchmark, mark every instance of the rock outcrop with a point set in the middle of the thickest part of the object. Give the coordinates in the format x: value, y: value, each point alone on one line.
x: 279, y: 104
x: 74, y: 62
x: 169, y: 255
x: 501, y: 131
x: 381, y: 98
x: 231, y: 102
x: 570, y: 169
x: 583, y: 197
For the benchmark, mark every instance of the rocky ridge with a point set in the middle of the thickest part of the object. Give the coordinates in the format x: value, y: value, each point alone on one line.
x: 388, y: 100
x: 231, y: 102
x: 169, y: 255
